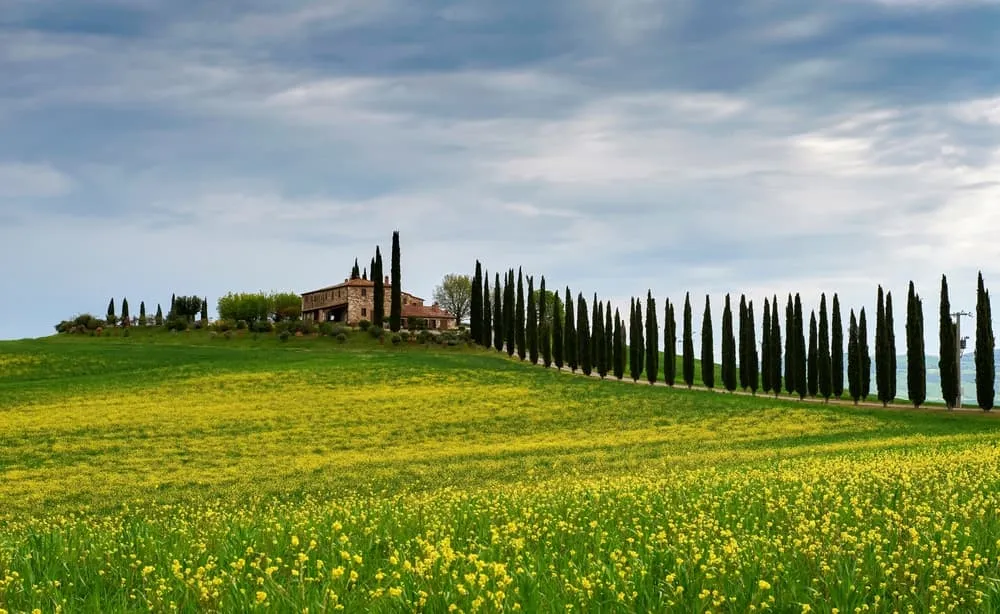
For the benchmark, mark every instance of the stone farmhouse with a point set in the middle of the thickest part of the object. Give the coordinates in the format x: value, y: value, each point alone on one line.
x: 354, y: 301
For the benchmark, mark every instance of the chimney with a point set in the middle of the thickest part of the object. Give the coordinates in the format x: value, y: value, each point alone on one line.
x: 387, y: 280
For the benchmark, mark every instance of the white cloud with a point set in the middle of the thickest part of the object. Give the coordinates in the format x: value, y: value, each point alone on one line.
x: 18, y: 180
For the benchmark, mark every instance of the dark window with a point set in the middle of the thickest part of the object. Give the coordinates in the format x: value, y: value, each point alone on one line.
x: 364, y: 292
x: 364, y: 312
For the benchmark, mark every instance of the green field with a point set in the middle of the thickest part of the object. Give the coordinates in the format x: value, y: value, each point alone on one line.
x: 183, y: 472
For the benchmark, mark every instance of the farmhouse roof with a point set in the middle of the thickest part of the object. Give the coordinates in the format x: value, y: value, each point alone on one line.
x: 356, y: 283
x: 423, y: 311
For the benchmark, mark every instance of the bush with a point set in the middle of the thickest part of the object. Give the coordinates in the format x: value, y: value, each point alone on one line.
x: 262, y: 326
x: 326, y: 329
x: 404, y: 335
x: 228, y: 334
x: 176, y: 324
x: 364, y: 324
x: 241, y: 325
x: 377, y: 332
x: 223, y: 325
x: 396, y: 338
x: 284, y: 335
x: 425, y: 336
x: 417, y: 323
x: 342, y: 337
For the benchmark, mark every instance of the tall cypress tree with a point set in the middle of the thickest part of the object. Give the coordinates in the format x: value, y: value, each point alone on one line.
x: 594, y: 332
x: 126, y: 317
x: 854, y: 360
x: 916, y: 361
x: 801, y: 382
x: 204, y: 309
x: 790, y: 361
x: 707, y: 346
x: 558, y: 331
x: 521, y: 335
x: 881, y: 350
x: 476, y: 306
x: 865, y: 362
x: 158, y: 318
x: 744, y: 373
x: 609, y: 342
x: 499, y: 318
x: 396, y: 293
x: 356, y: 270
x: 837, y: 350
x: 752, y: 356
x: 948, y: 361
x: 569, y: 337
x: 890, y: 348
x: 378, y: 309
x: 669, y: 344
x: 600, y: 348
x: 765, y: 349
x: 584, y: 355
x: 509, y: 317
x: 634, y: 368
x: 986, y: 371
x: 728, y: 348
x: 142, y: 313
x: 823, y: 359
x: 639, y: 343
x: 486, y: 330
x: 111, y: 317
x: 652, y: 340
x: 619, y: 347
x: 775, y: 347
x: 544, y: 326
x: 531, y: 326
x: 688, y: 358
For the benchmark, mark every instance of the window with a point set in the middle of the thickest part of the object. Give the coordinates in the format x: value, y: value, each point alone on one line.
x: 364, y: 312
x: 364, y: 292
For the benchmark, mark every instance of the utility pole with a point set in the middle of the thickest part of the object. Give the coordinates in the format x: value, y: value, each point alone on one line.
x: 960, y: 343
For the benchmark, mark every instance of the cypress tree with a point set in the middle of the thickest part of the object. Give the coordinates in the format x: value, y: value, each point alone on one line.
x: 800, y: 350
x: 520, y: 332
x: 728, y: 348
x: 854, y: 360
x: 509, y: 319
x: 890, y: 349
x: 486, y: 330
x: 475, y: 308
x: 558, y: 331
x: 204, y: 310
x: 364, y: 275
x: 790, y: 364
x: 594, y: 331
x: 609, y: 342
x: 569, y: 337
x: 584, y: 356
x: 633, y: 345
x: 142, y: 313
x: 865, y: 362
x: 707, y: 347
x: 355, y: 270
x: 126, y: 317
x: 948, y: 361
x: 744, y: 373
x: 173, y: 302
x: 531, y: 326
x: 824, y: 364
x: 544, y: 326
x: 837, y: 350
x: 881, y: 351
x: 754, y: 359
x: 600, y: 347
x: 765, y: 349
x: 688, y: 358
x: 619, y: 347
x: 637, y: 343
x: 775, y: 347
x: 916, y: 361
x: 396, y: 302
x: 986, y: 372
x: 498, y: 315
x: 378, y: 309
x: 652, y: 340
x: 669, y: 344
x: 158, y: 318
x: 111, y: 318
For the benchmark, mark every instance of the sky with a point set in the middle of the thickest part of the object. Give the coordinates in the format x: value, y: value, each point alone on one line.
x: 764, y: 147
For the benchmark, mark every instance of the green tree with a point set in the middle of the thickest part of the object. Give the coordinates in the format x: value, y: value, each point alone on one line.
x: 801, y: 382
x: 890, y: 333
x: 396, y: 292
x: 356, y: 271
x: 948, y: 361
x: 744, y: 358
x: 837, y: 350
x: 823, y: 359
x: 187, y: 307
x: 619, y: 347
x: 669, y: 344
x: 916, y: 355
x: 204, y: 310
x: 854, y: 360
x: 765, y: 348
x: 558, y: 334
x: 881, y: 350
x: 600, y: 358
x: 142, y: 314
x: 476, y: 304
x: 635, y: 343
x: 707, y: 346
x: 728, y: 348
x: 544, y: 325
x: 158, y: 319
x: 509, y: 317
x: 378, y: 294
x: 609, y: 341
x: 775, y: 347
x: 790, y: 358
x: 569, y: 336
x: 865, y: 363
x: 752, y: 356
x: 520, y: 334
x: 111, y: 318
x: 986, y: 371
x: 486, y: 329
x: 126, y: 317
x: 498, y: 315
x: 454, y: 295
x: 531, y: 326
x: 652, y: 340
x: 688, y: 343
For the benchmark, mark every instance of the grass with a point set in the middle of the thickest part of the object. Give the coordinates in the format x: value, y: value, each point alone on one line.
x: 187, y: 472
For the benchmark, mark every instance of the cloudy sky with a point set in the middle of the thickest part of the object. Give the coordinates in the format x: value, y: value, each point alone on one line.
x: 150, y: 147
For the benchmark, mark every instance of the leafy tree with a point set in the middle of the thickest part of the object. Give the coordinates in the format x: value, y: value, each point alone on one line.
x: 866, y: 360
x: 619, y: 347
x: 986, y: 371
x: 916, y: 356
x: 854, y: 360
x: 584, y: 356
x: 520, y: 334
x: 688, y: 358
x: 744, y: 373
x: 881, y: 351
x: 158, y: 319
x: 126, y: 317
x: 569, y: 336
x: 790, y: 358
x: 652, y: 340
x: 801, y: 382
x: 396, y: 292
x: 454, y: 294
x: 728, y: 348
x: 707, y: 347
x: 498, y: 316
x: 111, y: 318
x: 775, y: 363
x: 486, y: 327
x: 669, y: 344
x: 531, y: 326
x: 813, y: 372
x: 187, y: 307
x: 378, y: 292
x: 753, y: 358
x: 837, y: 351
x: 823, y: 359
x: 509, y: 318
x: 544, y: 325
x: 948, y: 361
x: 142, y: 313
x: 558, y: 333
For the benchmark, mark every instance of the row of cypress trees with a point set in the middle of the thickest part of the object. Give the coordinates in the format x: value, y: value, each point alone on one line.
x: 816, y: 369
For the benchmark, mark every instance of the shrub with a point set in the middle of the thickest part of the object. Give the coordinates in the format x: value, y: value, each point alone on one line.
x: 241, y: 325
x: 377, y: 332
x: 338, y: 329
x: 223, y: 325
x: 342, y: 337
x: 364, y: 324
x: 404, y: 335
x: 424, y: 336
x: 261, y: 326
x: 326, y: 329
x: 417, y: 323
x: 228, y: 334
x: 396, y: 338
x: 176, y: 324
x: 284, y: 335
x: 306, y: 327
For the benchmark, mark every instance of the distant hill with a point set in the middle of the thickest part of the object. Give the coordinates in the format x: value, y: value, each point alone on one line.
x: 934, y: 377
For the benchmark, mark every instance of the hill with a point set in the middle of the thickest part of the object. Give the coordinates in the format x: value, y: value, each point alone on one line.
x: 207, y: 473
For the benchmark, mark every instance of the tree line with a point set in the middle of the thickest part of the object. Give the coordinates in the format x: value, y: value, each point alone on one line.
x: 808, y: 361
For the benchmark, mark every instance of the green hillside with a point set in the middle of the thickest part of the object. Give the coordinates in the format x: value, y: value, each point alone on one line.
x: 198, y: 473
